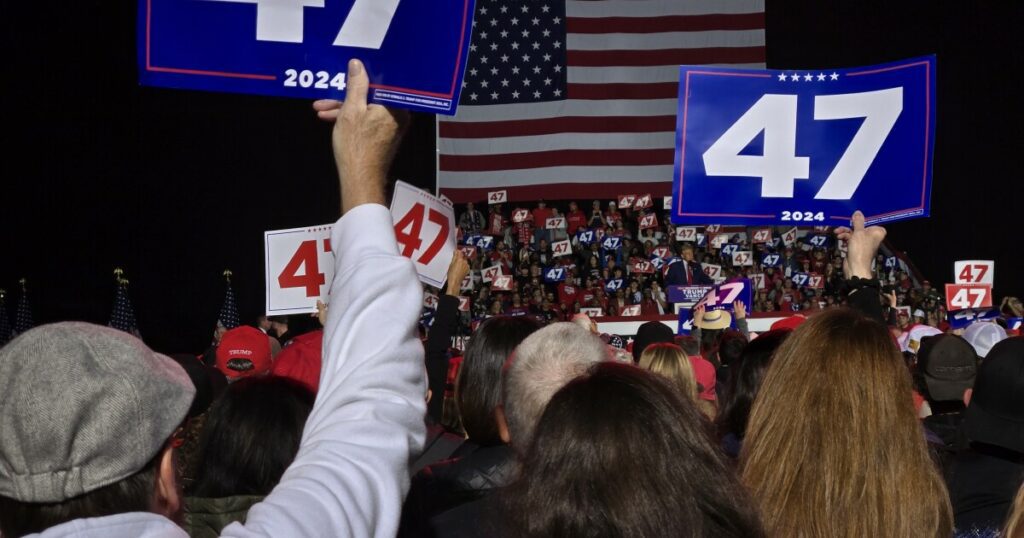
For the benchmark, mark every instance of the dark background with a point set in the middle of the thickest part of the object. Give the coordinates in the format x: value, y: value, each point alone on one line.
x: 176, y: 186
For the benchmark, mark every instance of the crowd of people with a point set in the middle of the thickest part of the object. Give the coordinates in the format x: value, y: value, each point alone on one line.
x: 819, y: 427
x: 793, y: 270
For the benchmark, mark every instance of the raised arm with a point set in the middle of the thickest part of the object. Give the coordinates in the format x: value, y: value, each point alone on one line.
x: 351, y: 471
x: 439, y: 338
x: 862, y: 245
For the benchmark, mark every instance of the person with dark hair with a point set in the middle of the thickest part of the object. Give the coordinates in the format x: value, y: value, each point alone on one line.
x: 238, y: 463
x: 651, y: 332
x: 621, y: 452
x: 89, y: 415
x: 984, y: 478
x: 485, y: 461
x: 946, y: 367
x: 746, y: 374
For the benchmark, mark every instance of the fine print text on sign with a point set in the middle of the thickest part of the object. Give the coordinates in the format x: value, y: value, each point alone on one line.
x: 764, y: 147
x: 299, y: 268
x: 414, y: 52
x: 425, y: 230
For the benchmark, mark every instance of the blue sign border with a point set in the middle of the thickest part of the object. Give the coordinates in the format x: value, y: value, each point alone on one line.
x: 414, y: 98
x: 679, y: 216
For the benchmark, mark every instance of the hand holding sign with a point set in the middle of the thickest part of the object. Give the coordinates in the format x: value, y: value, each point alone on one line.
x: 862, y: 244
x: 365, y: 139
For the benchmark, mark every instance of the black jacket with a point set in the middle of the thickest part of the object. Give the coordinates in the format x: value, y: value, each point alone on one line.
x: 449, y: 484
x: 982, y: 484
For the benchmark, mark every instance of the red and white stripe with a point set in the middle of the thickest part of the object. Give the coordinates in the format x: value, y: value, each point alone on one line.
x: 615, y: 132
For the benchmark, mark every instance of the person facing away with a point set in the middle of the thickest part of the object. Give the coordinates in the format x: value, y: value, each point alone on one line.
x: 250, y: 436
x: 620, y: 451
x: 89, y: 414
x: 833, y: 446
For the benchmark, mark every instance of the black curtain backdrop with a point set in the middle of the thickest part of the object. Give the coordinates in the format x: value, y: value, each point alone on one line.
x: 176, y: 186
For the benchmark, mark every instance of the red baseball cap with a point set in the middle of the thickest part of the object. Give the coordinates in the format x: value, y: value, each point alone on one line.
x: 244, y: 352
x: 300, y: 360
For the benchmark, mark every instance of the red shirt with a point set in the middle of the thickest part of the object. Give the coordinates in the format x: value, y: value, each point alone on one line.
x: 540, y: 216
x: 648, y: 307
x: 574, y: 221
x: 613, y: 217
x: 567, y: 293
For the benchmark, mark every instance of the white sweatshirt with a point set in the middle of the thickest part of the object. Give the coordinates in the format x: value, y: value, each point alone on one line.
x: 351, y: 471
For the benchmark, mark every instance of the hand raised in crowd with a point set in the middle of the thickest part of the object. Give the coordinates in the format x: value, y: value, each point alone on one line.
x: 365, y: 140
x: 698, y: 313
x: 457, y: 272
x: 739, y: 309
x: 862, y: 245
x: 321, y: 313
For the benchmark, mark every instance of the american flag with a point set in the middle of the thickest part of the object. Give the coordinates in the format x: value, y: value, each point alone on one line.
x: 5, y: 323
x: 229, y: 309
x: 123, y: 315
x: 23, y: 317
x: 565, y: 99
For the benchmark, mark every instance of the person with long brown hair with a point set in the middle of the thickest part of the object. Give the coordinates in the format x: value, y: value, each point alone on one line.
x: 620, y: 452
x: 833, y: 446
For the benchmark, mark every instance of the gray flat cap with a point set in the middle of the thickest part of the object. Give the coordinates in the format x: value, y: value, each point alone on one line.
x: 81, y: 407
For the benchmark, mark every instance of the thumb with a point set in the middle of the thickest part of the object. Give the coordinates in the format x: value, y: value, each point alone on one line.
x: 358, y: 84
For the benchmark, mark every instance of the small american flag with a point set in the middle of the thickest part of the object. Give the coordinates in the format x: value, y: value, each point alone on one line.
x: 123, y: 315
x: 23, y: 318
x: 568, y: 98
x: 5, y: 323
x: 229, y: 309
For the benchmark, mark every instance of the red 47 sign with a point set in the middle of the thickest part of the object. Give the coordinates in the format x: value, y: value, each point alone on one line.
x: 561, y: 248
x: 648, y: 221
x: 300, y: 267
x: 662, y: 252
x: 468, y: 251
x: 425, y: 230
x: 964, y: 296
x: 626, y: 201
x: 643, y: 202
x: 502, y: 283
x: 789, y: 237
x: 631, y: 311
x: 815, y: 281
x: 641, y: 266
x: 761, y: 235
x: 520, y: 215
x: 974, y: 272
x: 713, y: 271
x: 554, y: 223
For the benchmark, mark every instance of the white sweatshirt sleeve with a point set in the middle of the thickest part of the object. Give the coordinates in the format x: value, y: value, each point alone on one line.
x: 351, y: 471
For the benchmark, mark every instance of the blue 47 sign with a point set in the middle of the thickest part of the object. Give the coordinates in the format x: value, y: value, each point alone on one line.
x: 414, y: 52
x: 809, y: 146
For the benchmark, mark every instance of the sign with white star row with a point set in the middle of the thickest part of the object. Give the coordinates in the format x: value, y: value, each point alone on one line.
x: 788, y: 147
x: 808, y: 77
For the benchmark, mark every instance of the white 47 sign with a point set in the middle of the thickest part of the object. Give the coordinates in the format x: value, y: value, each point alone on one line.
x: 974, y: 272
x: 779, y: 167
x: 425, y: 231
x: 300, y: 267
x: 282, y: 20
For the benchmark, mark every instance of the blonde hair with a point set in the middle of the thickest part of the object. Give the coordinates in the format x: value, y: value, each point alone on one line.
x: 1015, y: 521
x: 833, y: 446
x: 671, y: 362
